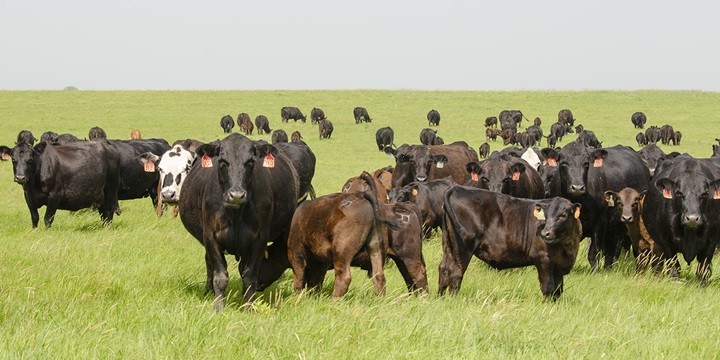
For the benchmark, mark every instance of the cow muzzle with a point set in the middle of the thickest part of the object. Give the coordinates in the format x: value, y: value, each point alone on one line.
x: 20, y: 179
x: 169, y: 196
x: 577, y: 189
x: 548, y: 236
x: 691, y: 220
x: 235, y: 198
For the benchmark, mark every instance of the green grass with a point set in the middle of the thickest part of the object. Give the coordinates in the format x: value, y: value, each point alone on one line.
x: 135, y: 289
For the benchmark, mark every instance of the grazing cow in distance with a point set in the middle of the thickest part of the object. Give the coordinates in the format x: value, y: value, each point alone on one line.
x: 640, y: 139
x: 361, y: 114
x: 245, y: 124
x: 385, y: 137
x: 559, y: 130
x: 507, y: 232
x: 25, y: 136
x: 325, y: 127
x: 484, y: 150
x: 279, y: 135
x: 491, y: 134
x: 588, y: 138
x: 97, y: 133
x: 227, y: 123
x: 565, y: 117
x: 579, y: 129
x: 291, y: 112
x: 491, y: 121
x: 296, y: 136
x: 537, y: 122
x: 552, y: 141
x: 652, y: 134
x: 433, y: 117
x: 638, y: 119
x: 652, y: 156
x: 262, y: 124
x: 427, y: 136
x: 49, y: 137
x: 677, y: 136
x: 135, y: 135
x: 316, y: 114
x: 666, y: 134
x: 74, y: 176
x: 535, y: 131
x: 438, y: 141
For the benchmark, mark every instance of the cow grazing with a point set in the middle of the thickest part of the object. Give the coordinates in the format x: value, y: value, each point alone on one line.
x: 295, y: 136
x: 506, y: 232
x: 552, y: 141
x: 677, y: 136
x: 330, y: 231
x: 638, y: 119
x: 245, y: 124
x: 325, y: 128
x: 385, y: 137
x: 428, y: 196
x: 96, y: 133
x: 291, y: 112
x: 666, y: 134
x: 484, y: 150
x: 433, y: 117
x: 227, y: 123
x: 422, y: 163
x: 361, y: 115
x: 71, y: 177
x: 588, y: 138
x: 427, y: 136
x: 579, y: 129
x: 583, y: 176
x: 279, y: 135
x: 438, y: 141
x: 565, y: 117
x: 537, y: 122
x: 681, y: 212
x: 629, y: 204
x: 172, y: 167
x: 652, y: 134
x: 135, y: 135
x: 491, y: 121
x: 316, y: 114
x: 239, y: 197
x: 262, y: 124
x: 508, y: 136
x: 26, y: 137
x: 640, y: 139
x: 559, y: 130
x: 508, y: 175
x: 535, y: 131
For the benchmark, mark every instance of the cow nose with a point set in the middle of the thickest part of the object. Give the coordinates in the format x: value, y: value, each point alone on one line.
x: 627, y: 218
x: 20, y: 179
x: 169, y: 195
x: 692, y: 220
x: 546, y: 235
x: 421, y: 178
x: 577, y: 188
x: 236, y: 196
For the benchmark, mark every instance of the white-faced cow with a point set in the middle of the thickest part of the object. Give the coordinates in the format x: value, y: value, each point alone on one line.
x: 173, y: 167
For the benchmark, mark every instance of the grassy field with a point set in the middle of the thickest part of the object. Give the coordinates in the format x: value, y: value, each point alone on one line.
x: 135, y: 289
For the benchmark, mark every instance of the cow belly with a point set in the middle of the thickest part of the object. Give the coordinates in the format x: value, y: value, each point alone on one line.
x: 497, y: 253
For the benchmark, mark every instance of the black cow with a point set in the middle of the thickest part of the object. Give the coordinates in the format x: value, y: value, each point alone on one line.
x: 537, y: 122
x: 279, y: 135
x: 135, y: 181
x: 640, y: 139
x: 290, y: 112
x: 588, y: 138
x: 25, y: 136
x: 433, y: 117
x: 227, y: 123
x: 262, y: 124
x: 507, y: 232
x: 361, y: 115
x: 296, y: 136
x: 316, y: 114
x: 652, y: 156
x: 325, y: 128
x: 638, y: 119
x: 484, y: 150
x: 507, y: 175
x: 491, y: 121
x: 535, y: 131
x: 515, y: 115
x: 583, y: 176
x: 559, y: 130
x: 565, y: 117
x: 438, y: 141
x: 427, y: 136
x: 429, y: 197
x: 676, y: 138
x: 682, y: 212
x: 652, y: 134
x: 49, y: 137
x: 579, y: 129
x: 422, y: 163
x: 237, y: 199
x: 666, y: 134
x: 244, y: 123
x: 70, y: 177
x: 96, y: 133
x: 384, y: 137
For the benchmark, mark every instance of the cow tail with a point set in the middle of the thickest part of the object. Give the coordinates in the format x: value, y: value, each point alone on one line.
x: 450, y: 221
x: 311, y: 191
x: 378, y: 210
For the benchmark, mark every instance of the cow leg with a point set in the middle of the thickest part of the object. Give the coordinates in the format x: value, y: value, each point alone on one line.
x: 558, y: 282
x: 50, y: 209
x: 413, y: 272
x: 345, y: 245
x: 704, y: 267
x: 545, y: 275
x: 217, y: 268
x: 250, y: 265
x: 34, y: 215
x: 596, y: 245
x: 315, y: 274
x: 377, y: 259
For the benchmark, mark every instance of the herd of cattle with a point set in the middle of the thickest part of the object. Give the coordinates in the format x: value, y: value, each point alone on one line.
x: 522, y: 206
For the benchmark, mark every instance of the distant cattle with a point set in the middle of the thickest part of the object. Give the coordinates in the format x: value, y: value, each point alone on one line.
x: 535, y: 131
x: 579, y: 129
x: 652, y: 134
x: 245, y: 124
x: 290, y: 112
x: 427, y: 136
x: 361, y: 115
x: 433, y: 117
x: 638, y: 119
x: 508, y: 136
x: 565, y: 117
x: 279, y: 135
x: 508, y: 175
x: 227, y: 123
x: 316, y: 114
x: 74, y: 176
x: 537, y: 122
x: 295, y: 136
x: 677, y: 136
x: 507, y: 232
x: 96, y: 133
x: 491, y: 121
x: 325, y: 128
x: 491, y: 134
x: 26, y: 137
x: 515, y: 115
x: 716, y: 151
x: 484, y: 150
x: 559, y: 130
x: 428, y: 196
x: 135, y: 135
x: 588, y: 138
x: 640, y: 139
x: 384, y: 137
x: 667, y: 133
x: 438, y: 141
x: 652, y: 156
x: 422, y: 163
x: 49, y: 137
x: 552, y: 141
x: 262, y: 124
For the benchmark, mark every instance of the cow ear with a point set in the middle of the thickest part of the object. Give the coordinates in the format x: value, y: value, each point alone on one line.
x: 666, y: 187
x: 715, y: 188
x: 576, y: 210
x: 148, y: 157
x: 599, y: 154
x: 672, y: 155
x: 40, y: 148
x: 516, y: 170
x: 207, y: 149
x: 5, y: 150
x: 265, y: 149
x: 440, y: 158
x: 473, y: 167
x: 539, y: 212
x: 610, y: 198
x: 549, y: 156
x: 389, y: 150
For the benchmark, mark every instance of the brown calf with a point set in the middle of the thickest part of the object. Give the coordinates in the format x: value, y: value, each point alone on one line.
x: 629, y: 204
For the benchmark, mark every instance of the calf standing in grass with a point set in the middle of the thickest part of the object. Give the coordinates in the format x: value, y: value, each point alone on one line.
x: 629, y: 204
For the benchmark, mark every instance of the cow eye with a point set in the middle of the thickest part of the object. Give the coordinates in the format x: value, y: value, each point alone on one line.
x: 484, y: 179
x: 250, y: 162
x: 705, y: 195
x: 679, y: 194
x: 562, y: 216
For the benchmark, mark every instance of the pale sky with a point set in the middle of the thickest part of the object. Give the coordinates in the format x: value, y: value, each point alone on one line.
x: 296, y: 45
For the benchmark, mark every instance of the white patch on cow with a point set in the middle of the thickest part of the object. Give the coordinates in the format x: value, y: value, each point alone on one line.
x: 176, y: 161
x: 531, y: 158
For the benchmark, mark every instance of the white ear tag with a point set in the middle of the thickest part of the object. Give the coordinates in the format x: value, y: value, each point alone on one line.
x: 539, y: 214
x: 440, y: 164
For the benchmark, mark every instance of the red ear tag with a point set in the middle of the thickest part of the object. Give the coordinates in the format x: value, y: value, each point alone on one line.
x: 551, y: 162
x: 667, y: 194
x: 149, y: 166
x: 716, y: 195
x: 516, y: 176
x: 269, y: 161
x: 598, y: 162
x: 5, y: 157
x: 206, y: 161
x: 474, y: 176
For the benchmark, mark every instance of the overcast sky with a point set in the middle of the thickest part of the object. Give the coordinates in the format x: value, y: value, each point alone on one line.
x: 429, y: 45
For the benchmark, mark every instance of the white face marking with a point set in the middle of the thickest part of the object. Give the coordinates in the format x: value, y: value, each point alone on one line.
x: 173, y: 168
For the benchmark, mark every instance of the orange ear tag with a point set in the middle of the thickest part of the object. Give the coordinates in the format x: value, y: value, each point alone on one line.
x: 667, y: 194
x: 149, y: 166
x: 5, y: 157
x: 269, y: 161
x: 598, y: 162
x: 716, y: 195
x: 552, y: 162
x: 516, y: 176
x: 414, y: 192
x: 577, y: 213
x: 206, y: 162
x: 474, y: 176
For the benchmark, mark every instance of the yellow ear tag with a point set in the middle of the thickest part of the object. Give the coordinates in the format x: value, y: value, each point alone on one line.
x: 266, y: 254
x: 577, y: 213
x: 414, y: 192
x: 611, y: 201
x: 539, y: 214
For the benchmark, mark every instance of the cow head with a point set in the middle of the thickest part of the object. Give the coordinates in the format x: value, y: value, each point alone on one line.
x: 173, y: 168
x: 562, y: 222
x: 237, y: 157
x: 652, y: 156
x: 413, y: 163
x: 24, y: 159
x: 574, y: 161
x: 495, y: 174
x: 49, y: 137
x: 689, y: 194
x: 405, y: 193
x: 628, y: 203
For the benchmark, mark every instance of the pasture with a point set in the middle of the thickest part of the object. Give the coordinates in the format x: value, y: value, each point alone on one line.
x: 135, y: 289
